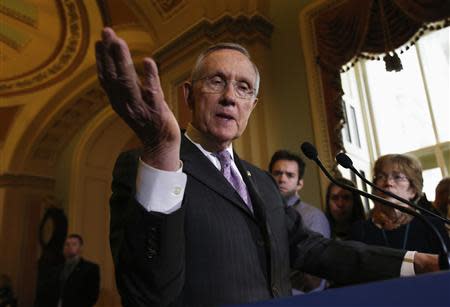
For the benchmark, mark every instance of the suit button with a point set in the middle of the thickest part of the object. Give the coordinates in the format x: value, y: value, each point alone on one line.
x: 150, y: 253
x: 260, y: 243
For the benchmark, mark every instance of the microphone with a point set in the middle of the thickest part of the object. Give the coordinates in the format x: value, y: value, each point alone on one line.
x: 346, y: 162
x: 310, y: 151
x: 444, y: 258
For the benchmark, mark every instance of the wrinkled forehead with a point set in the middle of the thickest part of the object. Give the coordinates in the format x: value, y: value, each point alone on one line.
x: 231, y: 63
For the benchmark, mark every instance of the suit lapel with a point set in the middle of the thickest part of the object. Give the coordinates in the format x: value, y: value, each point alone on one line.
x: 74, y: 272
x: 200, y: 167
x: 255, y: 195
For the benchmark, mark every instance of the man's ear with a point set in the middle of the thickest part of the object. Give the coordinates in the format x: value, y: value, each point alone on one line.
x: 254, y: 103
x: 300, y: 184
x: 188, y: 94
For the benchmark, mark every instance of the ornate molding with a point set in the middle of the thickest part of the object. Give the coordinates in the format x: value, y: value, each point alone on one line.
x: 67, y: 123
x: 239, y: 28
x: 22, y: 11
x: 167, y: 8
x: 68, y: 54
x: 24, y: 180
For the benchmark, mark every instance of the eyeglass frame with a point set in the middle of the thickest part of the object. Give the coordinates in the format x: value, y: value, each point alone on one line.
x: 396, y: 177
x: 224, y: 86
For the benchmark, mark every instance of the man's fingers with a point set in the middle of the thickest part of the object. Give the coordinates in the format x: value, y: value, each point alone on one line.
x: 151, y: 82
x: 122, y: 56
x: 106, y: 67
x: 151, y: 76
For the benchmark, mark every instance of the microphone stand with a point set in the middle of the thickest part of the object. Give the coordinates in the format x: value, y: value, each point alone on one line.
x: 345, y: 161
x: 444, y: 258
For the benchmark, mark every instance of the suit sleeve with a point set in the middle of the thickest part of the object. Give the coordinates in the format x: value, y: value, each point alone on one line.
x: 147, y: 248
x: 343, y: 262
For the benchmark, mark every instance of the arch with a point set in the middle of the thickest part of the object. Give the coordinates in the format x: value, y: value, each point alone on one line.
x: 91, y: 164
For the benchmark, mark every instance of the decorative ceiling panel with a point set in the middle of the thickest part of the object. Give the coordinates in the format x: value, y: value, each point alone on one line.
x: 167, y: 8
x: 67, y: 123
x: 41, y: 43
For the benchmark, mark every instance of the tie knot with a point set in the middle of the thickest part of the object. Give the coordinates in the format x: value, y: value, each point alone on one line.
x: 224, y: 157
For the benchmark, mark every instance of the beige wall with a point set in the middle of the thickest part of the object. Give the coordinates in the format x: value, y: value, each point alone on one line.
x: 291, y: 120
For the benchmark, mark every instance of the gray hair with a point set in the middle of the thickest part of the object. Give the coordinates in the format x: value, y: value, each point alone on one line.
x: 220, y: 46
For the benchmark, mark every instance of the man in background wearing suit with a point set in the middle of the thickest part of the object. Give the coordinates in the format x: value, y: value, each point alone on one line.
x: 79, y: 278
x: 191, y: 223
x: 76, y: 283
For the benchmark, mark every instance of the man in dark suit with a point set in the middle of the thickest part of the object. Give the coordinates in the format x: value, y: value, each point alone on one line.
x: 191, y: 223
x: 74, y: 284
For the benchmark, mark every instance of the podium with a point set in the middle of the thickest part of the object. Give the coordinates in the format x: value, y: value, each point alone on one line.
x: 432, y: 289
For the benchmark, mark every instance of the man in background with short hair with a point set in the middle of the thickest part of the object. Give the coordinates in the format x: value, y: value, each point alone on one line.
x: 76, y: 283
x: 288, y: 170
x: 79, y: 277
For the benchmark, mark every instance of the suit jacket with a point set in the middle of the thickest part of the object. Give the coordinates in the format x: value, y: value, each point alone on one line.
x: 213, y: 250
x: 82, y: 287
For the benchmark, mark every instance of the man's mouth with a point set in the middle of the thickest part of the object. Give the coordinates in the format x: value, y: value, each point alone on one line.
x: 225, y: 116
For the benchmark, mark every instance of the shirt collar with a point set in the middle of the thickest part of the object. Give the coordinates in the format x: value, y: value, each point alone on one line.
x: 292, y: 200
x: 192, y: 135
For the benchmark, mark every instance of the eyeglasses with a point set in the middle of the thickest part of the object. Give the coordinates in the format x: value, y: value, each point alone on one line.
x: 397, y: 177
x: 217, y: 85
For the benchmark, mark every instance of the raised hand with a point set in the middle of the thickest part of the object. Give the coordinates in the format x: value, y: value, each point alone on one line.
x: 140, y: 104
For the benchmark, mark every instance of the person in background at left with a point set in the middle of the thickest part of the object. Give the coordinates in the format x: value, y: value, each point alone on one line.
x: 80, y: 278
x: 288, y: 170
x: 401, y: 175
x: 342, y: 208
x: 442, y: 199
x: 7, y: 298
x: 76, y: 283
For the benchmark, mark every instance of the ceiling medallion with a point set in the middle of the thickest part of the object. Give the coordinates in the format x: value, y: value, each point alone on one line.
x: 41, y: 44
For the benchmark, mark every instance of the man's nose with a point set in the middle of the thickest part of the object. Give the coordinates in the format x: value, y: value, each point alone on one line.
x: 280, y: 178
x: 229, y: 94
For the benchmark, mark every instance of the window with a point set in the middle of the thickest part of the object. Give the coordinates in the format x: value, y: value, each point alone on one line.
x: 402, y: 112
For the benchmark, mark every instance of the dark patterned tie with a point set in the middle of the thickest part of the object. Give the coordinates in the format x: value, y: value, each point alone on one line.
x: 233, y: 178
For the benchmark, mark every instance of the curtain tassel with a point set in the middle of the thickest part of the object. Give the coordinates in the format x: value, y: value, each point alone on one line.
x: 393, y: 62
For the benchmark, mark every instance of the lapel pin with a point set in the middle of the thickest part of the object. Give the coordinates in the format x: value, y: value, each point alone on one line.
x: 249, y: 174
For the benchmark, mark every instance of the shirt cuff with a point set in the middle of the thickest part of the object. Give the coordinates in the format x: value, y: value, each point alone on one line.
x: 158, y: 190
x: 407, y: 268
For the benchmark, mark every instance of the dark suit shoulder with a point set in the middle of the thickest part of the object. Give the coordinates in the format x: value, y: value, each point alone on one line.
x: 88, y: 263
x: 254, y: 170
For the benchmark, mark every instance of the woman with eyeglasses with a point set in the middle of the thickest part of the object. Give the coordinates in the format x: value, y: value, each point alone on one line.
x: 401, y: 175
x: 342, y: 209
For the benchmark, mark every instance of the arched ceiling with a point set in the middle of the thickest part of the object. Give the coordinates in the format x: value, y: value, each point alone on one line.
x: 47, y: 54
